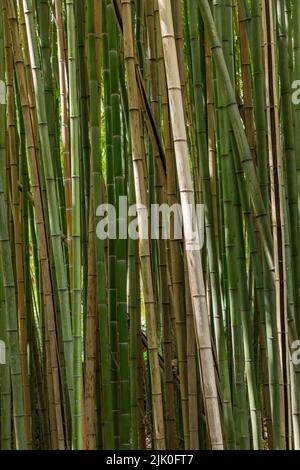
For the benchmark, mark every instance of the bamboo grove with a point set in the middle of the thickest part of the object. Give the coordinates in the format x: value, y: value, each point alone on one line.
x: 145, y: 344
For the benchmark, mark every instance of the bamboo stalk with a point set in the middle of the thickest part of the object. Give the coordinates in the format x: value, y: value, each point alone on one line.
x: 193, y: 257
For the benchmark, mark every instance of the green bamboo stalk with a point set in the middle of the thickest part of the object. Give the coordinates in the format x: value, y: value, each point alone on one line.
x: 98, y: 183
x: 80, y: 29
x: 76, y: 223
x: 120, y: 244
x: 111, y: 198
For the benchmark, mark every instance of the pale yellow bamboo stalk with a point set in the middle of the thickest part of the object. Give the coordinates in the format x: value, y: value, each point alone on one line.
x: 203, y: 336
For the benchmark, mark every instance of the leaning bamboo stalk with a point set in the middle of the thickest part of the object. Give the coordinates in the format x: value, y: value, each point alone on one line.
x: 239, y: 134
x: 203, y: 337
x: 53, y: 205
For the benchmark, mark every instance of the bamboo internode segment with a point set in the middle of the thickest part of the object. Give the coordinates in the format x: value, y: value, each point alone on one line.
x: 117, y: 330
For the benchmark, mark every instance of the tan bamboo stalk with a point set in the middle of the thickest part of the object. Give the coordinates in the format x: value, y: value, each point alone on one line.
x: 174, y: 258
x: 141, y: 199
x: 203, y: 337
